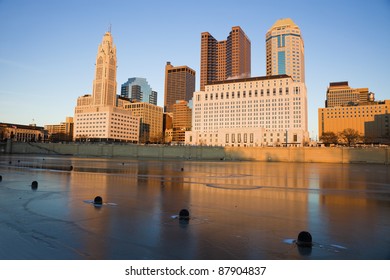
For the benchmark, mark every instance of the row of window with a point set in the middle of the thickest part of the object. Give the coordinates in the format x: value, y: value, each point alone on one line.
x: 357, y: 109
x: 244, y: 94
x: 243, y: 138
x: 267, y: 126
x: 122, y: 123
x: 250, y: 85
x: 133, y: 137
x: 250, y: 102
x: 228, y: 109
x: 349, y: 116
x: 129, y: 132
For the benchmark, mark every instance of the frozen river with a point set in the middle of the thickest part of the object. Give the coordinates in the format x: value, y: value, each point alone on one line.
x: 239, y: 210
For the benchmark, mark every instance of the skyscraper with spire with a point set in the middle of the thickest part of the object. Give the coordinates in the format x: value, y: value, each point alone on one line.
x: 104, y: 84
x: 285, y: 52
x: 97, y: 116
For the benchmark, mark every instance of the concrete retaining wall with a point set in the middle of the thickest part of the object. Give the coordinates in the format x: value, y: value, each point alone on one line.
x: 291, y: 154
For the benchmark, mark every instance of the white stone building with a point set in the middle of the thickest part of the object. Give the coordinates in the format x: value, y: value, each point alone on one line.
x: 258, y: 111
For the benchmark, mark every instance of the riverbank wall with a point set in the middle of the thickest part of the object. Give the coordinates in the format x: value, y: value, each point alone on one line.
x: 377, y: 155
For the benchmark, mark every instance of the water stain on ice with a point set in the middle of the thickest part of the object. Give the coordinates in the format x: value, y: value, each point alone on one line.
x: 91, y: 201
x: 331, y: 247
x: 233, y: 187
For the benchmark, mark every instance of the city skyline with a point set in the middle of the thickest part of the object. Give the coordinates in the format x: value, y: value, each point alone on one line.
x: 48, y: 55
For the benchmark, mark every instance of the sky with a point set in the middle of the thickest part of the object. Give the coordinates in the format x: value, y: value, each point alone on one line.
x: 48, y: 47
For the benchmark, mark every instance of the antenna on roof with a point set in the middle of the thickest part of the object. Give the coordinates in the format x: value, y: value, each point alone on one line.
x: 109, y: 27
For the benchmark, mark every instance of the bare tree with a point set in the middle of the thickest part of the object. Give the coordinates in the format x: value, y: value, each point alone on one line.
x: 329, y: 138
x: 350, y: 136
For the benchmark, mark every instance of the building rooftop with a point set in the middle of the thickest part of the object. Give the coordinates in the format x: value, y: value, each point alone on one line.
x: 21, y: 126
x: 338, y: 84
x: 249, y: 79
x: 283, y: 22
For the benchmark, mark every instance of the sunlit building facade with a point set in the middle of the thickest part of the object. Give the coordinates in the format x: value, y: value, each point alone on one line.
x: 355, y: 108
x: 341, y: 94
x: 182, y: 115
x: 285, y: 52
x: 179, y: 85
x: 151, y: 121
x: 258, y: 111
x: 97, y: 116
x: 62, y: 131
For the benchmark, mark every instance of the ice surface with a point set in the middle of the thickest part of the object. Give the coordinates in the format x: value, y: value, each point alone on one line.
x: 239, y: 210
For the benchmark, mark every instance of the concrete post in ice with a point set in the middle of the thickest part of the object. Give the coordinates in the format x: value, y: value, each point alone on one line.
x: 304, y: 239
x: 184, y: 214
x: 98, y: 200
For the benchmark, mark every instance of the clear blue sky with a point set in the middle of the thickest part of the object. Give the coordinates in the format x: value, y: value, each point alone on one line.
x: 48, y: 47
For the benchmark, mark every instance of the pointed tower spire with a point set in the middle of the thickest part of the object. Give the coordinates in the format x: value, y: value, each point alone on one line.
x: 104, y: 85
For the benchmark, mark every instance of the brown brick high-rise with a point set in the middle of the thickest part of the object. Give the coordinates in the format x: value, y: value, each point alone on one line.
x: 179, y: 85
x: 221, y: 60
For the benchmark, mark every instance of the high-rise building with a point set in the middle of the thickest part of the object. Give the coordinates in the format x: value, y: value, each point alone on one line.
x: 97, y: 117
x: 139, y: 90
x: 179, y: 85
x: 220, y: 60
x: 104, y: 85
x: 285, y: 52
x: 257, y: 111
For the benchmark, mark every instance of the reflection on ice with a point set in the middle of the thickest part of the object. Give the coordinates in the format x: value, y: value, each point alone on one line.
x: 238, y: 210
